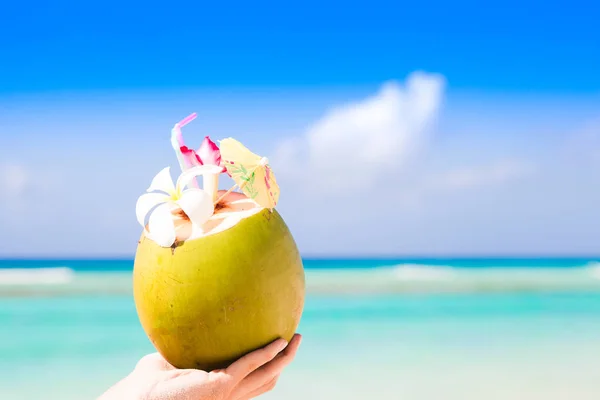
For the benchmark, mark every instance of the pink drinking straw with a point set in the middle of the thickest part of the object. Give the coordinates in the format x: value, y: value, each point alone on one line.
x: 181, y: 124
x: 177, y: 142
x: 187, y: 120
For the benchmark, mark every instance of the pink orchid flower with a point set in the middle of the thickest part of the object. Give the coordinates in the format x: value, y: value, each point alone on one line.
x: 207, y: 154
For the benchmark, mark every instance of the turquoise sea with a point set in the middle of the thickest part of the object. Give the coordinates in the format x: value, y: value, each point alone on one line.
x: 472, y: 328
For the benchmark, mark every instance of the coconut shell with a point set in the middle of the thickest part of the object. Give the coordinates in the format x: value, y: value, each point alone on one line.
x: 209, y: 301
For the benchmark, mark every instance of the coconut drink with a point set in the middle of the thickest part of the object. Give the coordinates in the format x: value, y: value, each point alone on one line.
x: 217, y: 274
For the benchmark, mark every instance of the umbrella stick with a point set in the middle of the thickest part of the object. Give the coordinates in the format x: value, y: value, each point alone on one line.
x: 231, y: 190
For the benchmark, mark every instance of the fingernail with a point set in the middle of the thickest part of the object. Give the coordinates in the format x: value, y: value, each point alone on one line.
x: 281, y: 345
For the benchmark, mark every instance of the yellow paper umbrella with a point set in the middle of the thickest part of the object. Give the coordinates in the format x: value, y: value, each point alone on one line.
x: 251, y: 173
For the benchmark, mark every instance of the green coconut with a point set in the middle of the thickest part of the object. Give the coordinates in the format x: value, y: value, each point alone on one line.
x: 206, y: 302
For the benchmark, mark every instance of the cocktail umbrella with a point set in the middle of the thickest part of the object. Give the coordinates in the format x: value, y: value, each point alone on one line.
x: 250, y: 172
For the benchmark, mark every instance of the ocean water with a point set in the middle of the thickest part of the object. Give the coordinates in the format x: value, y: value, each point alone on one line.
x: 378, y: 329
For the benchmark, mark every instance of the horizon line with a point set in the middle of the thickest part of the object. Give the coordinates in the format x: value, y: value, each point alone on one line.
x: 332, y: 257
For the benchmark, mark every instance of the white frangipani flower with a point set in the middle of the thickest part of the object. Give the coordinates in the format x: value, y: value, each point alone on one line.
x: 163, y: 197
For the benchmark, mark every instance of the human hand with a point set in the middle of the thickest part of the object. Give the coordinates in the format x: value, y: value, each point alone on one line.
x: 252, y: 375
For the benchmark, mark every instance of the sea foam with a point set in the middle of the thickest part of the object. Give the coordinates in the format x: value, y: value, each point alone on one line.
x: 36, y: 276
x: 386, y: 280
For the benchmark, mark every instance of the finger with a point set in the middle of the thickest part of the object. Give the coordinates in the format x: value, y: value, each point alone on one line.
x: 263, y: 375
x: 267, y: 387
x: 250, y: 362
x: 155, y: 362
x: 276, y: 366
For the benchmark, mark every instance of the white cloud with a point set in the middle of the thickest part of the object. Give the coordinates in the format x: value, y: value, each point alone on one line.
x: 14, y: 180
x: 584, y: 144
x: 494, y: 173
x: 482, y: 180
x: 375, y: 177
x: 359, y: 142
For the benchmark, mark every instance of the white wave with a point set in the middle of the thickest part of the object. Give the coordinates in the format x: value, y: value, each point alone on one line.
x: 594, y: 269
x: 443, y: 278
x: 426, y: 272
x: 36, y: 276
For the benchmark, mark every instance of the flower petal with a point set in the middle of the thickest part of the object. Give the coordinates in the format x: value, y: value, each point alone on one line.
x: 209, y: 152
x: 147, y: 202
x: 197, y: 204
x: 161, y: 226
x: 190, y: 156
x: 162, y: 182
x: 186, y: 177
x: 190, y: 159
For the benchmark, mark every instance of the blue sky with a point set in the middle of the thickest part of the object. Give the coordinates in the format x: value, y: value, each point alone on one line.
x: 460, y: 129
x: 508, y: 46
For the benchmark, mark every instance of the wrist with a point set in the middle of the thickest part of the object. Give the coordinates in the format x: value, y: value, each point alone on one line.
x: 125, y: 389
